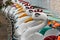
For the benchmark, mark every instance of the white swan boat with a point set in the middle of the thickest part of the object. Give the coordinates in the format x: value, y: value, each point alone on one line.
x: 31, y: 30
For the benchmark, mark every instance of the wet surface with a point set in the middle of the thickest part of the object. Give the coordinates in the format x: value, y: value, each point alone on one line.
x: 5, y: 28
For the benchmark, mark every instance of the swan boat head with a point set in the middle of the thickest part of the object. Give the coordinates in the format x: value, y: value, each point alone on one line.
x: 31, y: 31
x: 37, y: 16
x: 27, y: 13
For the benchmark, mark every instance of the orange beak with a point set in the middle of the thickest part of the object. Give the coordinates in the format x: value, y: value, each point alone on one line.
x: 20, y: 11
x: 29, y: 19
x: 18, y: 6
x: 23, y: 15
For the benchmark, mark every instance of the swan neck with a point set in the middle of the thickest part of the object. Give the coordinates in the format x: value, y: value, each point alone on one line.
x: 33, y: 30
x: 41, y: 25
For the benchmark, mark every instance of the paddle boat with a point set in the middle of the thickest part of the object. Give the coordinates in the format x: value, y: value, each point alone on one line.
x: 23, y: 14
x: 19, y: 10
x: 27, y: 13
x: 32, y: 32
x: 21, y: 20
x: 24, y: 27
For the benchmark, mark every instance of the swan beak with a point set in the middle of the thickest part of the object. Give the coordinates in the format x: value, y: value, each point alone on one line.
x: 23, y: 15
x: 20, y: 11
x: 29, y: 19
x: 17, y: 6
x: 20, y: 8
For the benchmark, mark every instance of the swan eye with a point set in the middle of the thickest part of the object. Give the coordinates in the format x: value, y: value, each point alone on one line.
x: 37, y: 14
x: 27, y: 7
x: 30, y: 11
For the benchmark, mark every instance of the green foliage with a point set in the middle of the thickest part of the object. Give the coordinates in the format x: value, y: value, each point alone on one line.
x: 8, y: 3
x: 1, y: 5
